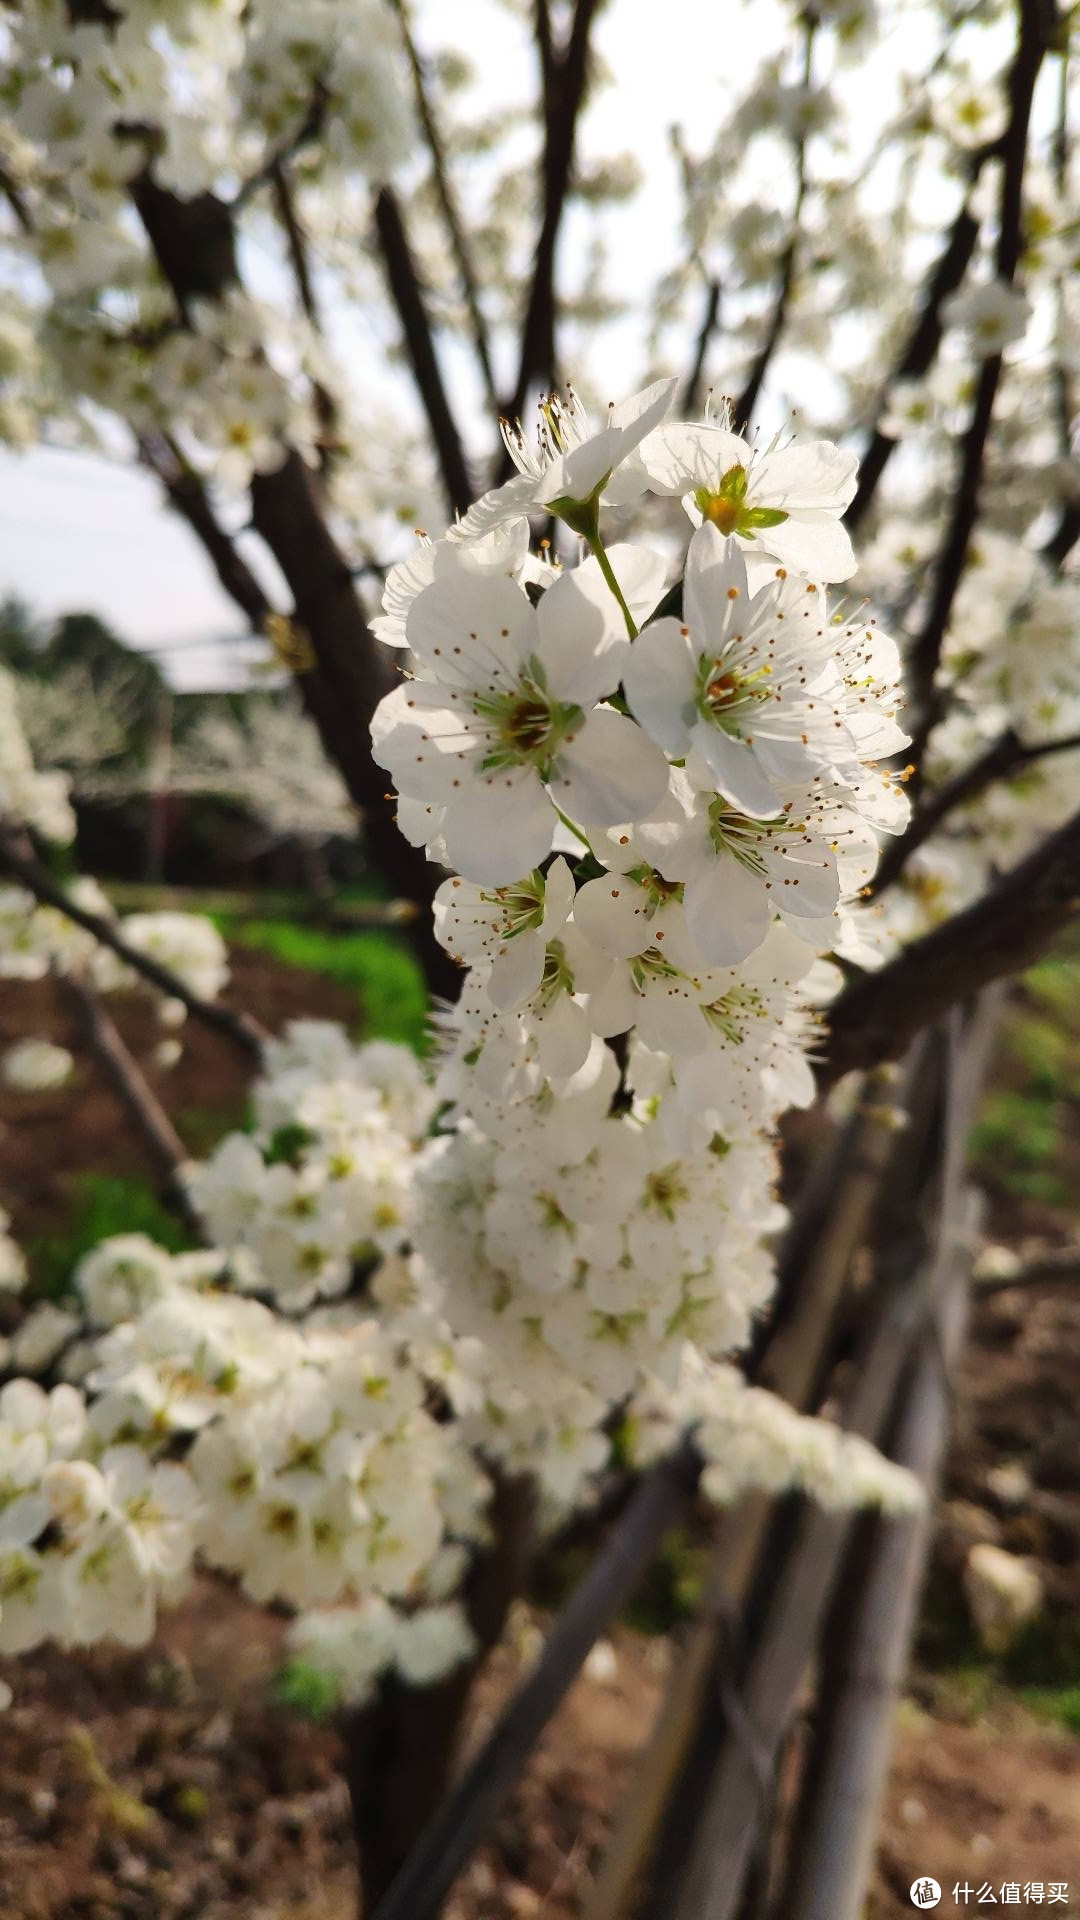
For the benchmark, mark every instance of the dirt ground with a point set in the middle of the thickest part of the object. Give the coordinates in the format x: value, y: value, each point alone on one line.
x: 166, y: 1785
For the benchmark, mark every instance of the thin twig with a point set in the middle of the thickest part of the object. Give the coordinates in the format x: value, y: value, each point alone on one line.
x: 285, y: 149
x: 925, y: 698
x: 691, y: 398
x: 16, y: 200
x: 408, y: 298
x: 563, y: 77
x: 440, y: 167
x: 163, y: 1143
x: 919, y: 353
x: 17, y: 858
x: 1048, y: 1267
x: 1004, y: 756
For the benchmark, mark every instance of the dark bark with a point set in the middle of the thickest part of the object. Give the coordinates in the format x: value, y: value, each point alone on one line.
x: 163, y: 1144
x: 344, y: 688
x: 564, y: 72
x: 444, y: 189
x: 918, y: 355
x: 1005, y: 755
x: 692, y: 397
x: 789, y: 259
x: 466, y: 1818
x: 408, y: 298
x: 351, y: 672
x: 924, y: 696
x: 400, y: 1752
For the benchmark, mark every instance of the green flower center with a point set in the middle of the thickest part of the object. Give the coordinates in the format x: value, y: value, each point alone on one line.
x: 726, y: 508
x: 521, y: 905
x: 733, y: 1012
x: 748, y: 840
x: 529, y: 726
x: 725, y: 697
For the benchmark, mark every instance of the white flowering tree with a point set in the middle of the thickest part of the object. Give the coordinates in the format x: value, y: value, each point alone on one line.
x: 690, y: 835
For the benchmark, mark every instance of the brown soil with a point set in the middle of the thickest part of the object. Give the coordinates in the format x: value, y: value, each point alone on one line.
x: 166, y: 1785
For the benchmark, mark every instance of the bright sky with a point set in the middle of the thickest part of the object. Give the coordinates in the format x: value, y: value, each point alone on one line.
x: 80, y: 531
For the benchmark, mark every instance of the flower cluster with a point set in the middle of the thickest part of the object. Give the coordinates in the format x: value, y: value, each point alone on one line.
x: 322, y: 1187
x: 658, y: 801
x: 88, y: 1545
x: 39, y: 800
x: 193, y: 99
x: 661, y: 799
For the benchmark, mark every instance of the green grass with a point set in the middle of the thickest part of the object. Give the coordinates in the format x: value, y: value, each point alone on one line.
x: 101, y: 1205
x: 1059, y: 1705
x: 308, y: 1691
x: 1021, y: 1143
x: 392, y: 1001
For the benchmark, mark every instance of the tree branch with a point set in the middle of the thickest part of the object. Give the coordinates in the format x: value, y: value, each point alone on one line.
x: 1007, y: 930
x: 18, y: 860
x: 351, y: 673
x: 188, y: 496
x: 1005, y: 755
x: 563, y: 77
x: 919, y: 353
x: 448, y: 202
x: 691, y: 396
x: 408, y: 299
x: 16, y: 200
x: 164, y: 1144
x: 284, y: 150
x: 925, y: 698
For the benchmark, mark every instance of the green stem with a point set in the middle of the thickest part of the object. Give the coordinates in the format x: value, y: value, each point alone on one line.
x: 604, y: 564
x: 576, y: 831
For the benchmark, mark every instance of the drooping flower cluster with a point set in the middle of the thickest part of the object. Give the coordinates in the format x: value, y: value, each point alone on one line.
x: 660, y: 799
x: 654, y: 816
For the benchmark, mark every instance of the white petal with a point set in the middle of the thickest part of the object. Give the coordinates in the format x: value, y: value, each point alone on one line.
x: 727, y: 911
x: 563, y: 1038
x: 678, y: 459
x: 581, y: 637
x: 637, y: 416
x: 472, y: 629
x: 816, y: 545
x: 737, y: 773
x: 642, y: 577
x: 715, y: 595
x: 809, y: 473
x: 494, y: 509
x: 517, y: 971
x: 809, y: 883
x: 611, y: 771
x: 660, y: 679
x: 614, y: 1009
x: 499, y: 828
x: 558, y: 897
x: 611, y: 911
